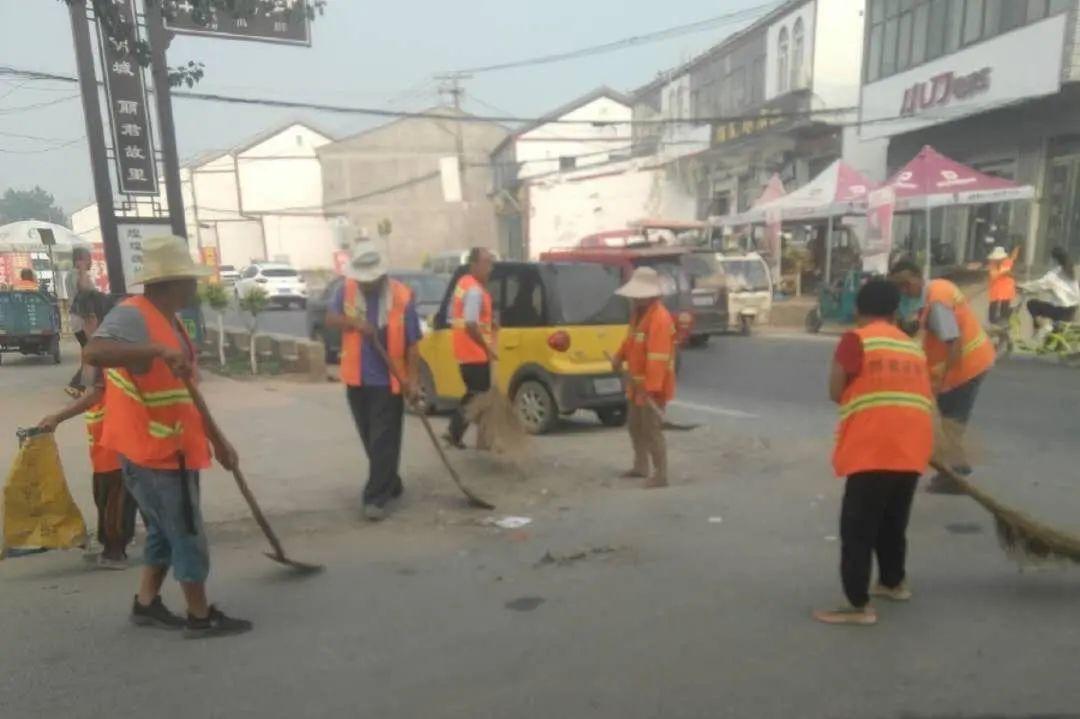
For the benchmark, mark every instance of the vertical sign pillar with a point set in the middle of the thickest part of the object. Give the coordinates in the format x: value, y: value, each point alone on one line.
x: 159, y: 41
x: 95, y: 139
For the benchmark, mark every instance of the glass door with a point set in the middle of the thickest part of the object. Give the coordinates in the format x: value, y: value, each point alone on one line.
x: 1062, y: 218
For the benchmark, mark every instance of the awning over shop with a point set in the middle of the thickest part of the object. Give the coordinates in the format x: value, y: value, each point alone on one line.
x: 933, y: 180
x: 838, y: 191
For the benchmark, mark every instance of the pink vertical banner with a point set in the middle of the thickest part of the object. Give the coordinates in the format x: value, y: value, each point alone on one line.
x: 879, y: 232
x: 773, y: 240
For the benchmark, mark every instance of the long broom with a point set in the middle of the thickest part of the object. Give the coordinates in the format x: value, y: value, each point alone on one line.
x: 278, y: 554
x: 474, y: 500
x: 1024, y: 539
x: 498, y: 425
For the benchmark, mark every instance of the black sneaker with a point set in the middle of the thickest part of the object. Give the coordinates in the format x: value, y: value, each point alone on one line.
x: 155, y: 615
x: 215, y: 625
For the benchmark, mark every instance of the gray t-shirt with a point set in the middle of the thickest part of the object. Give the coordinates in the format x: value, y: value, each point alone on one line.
x: 941, y: 322
x: 474, y: 303
x: 125, y: 323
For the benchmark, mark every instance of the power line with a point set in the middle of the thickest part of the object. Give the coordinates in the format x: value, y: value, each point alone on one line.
x: 425, y: 115
x: 43, y: 149
x: 632, y: 41
x: 37, y: 106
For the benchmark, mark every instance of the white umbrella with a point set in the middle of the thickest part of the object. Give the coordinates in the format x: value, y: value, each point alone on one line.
x: 23, y: 236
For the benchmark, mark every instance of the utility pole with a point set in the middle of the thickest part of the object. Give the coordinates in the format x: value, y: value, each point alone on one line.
x: 451, y: 85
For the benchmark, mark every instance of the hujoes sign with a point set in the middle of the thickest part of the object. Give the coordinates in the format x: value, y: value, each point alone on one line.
x: 942, y: 89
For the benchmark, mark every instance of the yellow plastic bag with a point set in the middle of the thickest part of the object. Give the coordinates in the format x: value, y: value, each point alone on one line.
x: 38, y: 511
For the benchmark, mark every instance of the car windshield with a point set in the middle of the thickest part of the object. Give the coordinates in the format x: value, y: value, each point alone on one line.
x: 279, y: 272
x: 746, y: 275
x: 586, y: 294
x: 428, y: 289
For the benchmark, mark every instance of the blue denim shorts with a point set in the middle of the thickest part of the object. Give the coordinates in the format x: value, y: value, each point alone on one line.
x: 169, y: 539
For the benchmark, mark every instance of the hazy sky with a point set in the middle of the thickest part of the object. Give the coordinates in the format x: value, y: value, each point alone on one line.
x: 364, y: 53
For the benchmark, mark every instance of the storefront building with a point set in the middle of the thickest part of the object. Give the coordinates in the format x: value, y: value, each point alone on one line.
x: 992, y: 84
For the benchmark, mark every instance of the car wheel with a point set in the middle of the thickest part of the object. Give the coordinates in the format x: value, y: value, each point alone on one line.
x: 612, y: 416
x: 813, y: 321
x: 535, y: 407
x: 302, y: 304
x: 698, y: 341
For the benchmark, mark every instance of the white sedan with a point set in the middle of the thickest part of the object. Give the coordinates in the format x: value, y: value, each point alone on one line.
x: 283, y: 284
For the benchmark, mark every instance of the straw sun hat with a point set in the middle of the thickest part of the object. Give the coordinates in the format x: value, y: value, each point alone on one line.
x: 643, y: 284
x: 166, y: 258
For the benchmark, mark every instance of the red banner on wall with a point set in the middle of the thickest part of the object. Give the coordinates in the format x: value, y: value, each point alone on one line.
x: 879, y: 231
x: 99, y: 271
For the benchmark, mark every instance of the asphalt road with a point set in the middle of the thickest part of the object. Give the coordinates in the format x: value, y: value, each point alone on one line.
x: 688, y: 602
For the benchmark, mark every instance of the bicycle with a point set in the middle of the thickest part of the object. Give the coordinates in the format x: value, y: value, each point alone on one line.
x: 1063, y: 341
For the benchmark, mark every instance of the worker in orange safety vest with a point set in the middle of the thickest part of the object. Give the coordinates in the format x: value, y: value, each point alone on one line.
x: 880, y: 379
x: 115, y: 505
x: 473, y: 329
x: 27, y: 282
x: 163, y: 440
x: 959, y: 353
x: 1002, y: 285
x: 371, y: 306
x: 649, y: 355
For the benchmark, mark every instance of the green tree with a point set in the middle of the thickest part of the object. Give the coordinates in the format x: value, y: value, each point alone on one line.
x: 35, y: 204
x: 254, y: 303
x: 215, y: 296
x: 202, y: 12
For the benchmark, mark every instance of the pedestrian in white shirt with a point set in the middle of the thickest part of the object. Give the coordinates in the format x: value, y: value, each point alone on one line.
x: 1061, y: 286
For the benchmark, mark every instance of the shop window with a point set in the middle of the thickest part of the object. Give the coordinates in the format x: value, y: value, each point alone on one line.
x: 782, y: 61
x: 888, y: 50
x: 797, y: 45
x: 935, y: 38
x: 903, y: 43
x: 954, y: 26
x: 873, y: 62
x: 973, y: 19
x: 920, y: 33
x: 992, y: 17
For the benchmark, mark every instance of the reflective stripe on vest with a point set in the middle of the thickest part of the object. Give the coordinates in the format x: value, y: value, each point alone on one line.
x: 886, y: 410
x: 150, y: 418
x: 977, y: 353
x: 352, y: 344
x: 102, y: 459
x: 466, y: 350
x: 638, y: 357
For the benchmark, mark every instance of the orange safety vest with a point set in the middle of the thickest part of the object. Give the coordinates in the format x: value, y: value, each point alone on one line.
x: 978, y: 353
x: 1002, y: 284
x: 102, y: 459
x: 352, y: 342
x: 649, y: 351
x: 887, y: 410
x: 466, y: 350
x: 150, y: 419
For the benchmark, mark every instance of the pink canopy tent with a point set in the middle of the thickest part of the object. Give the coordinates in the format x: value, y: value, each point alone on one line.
x: 933, y: 180
x: 839, y: 190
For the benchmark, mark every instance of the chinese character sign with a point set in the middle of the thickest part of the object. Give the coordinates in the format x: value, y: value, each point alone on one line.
x: 132, y: 235
x: 879, y: 217
x: 285, y: 22
x: 132, y: 144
